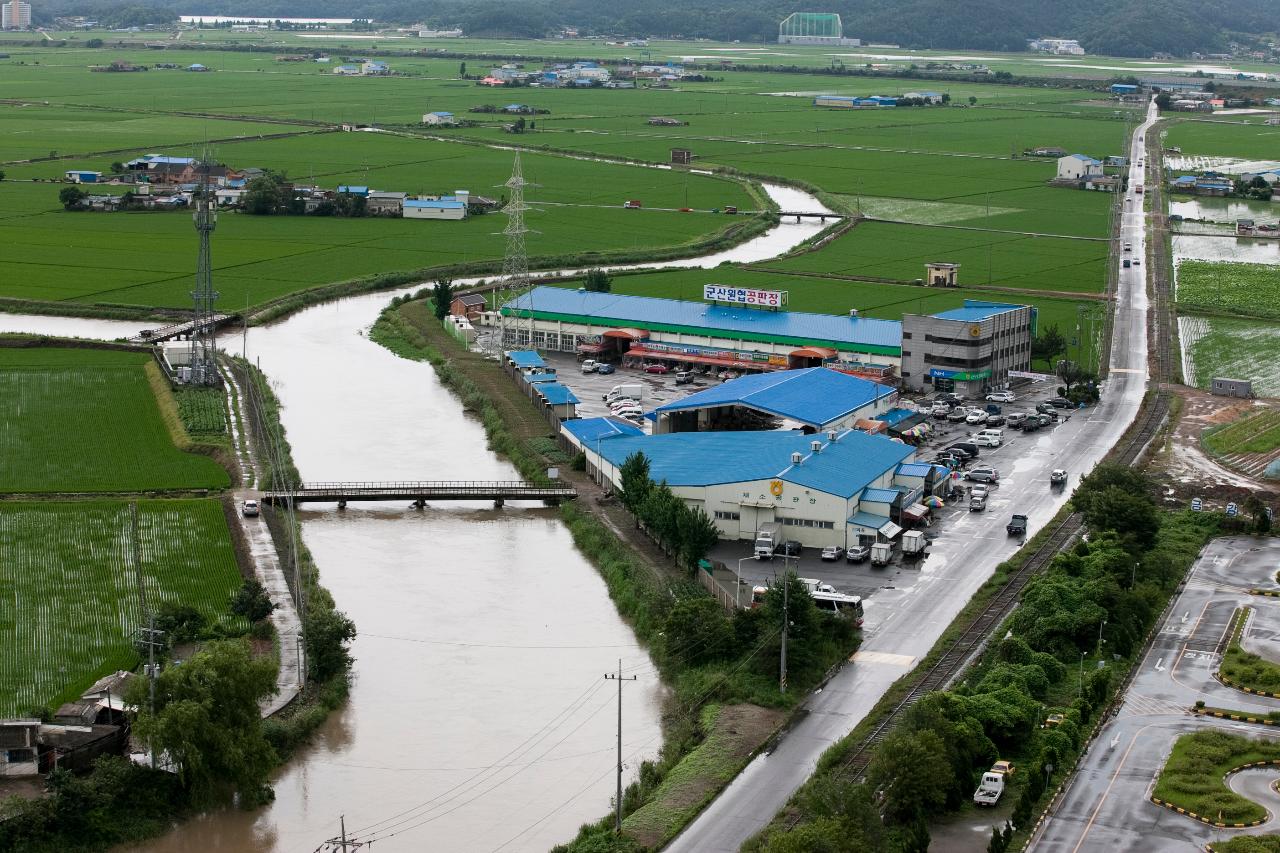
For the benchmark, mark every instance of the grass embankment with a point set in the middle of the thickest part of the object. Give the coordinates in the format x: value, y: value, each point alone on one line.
x: 646, y: 589
x: 1258, y: 432
x: 1246, y: 844
x: 1243, y: 669
x: 93, y: 420
x: 71, y: 597
x: 1193, y: 777
x: 1229, y: 289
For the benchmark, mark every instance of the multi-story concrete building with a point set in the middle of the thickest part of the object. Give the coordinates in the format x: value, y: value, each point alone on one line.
x: 967, y: 349
x: 15, y: 15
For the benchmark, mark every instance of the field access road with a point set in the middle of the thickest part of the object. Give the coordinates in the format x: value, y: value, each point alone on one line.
x: 903, y: 623
x: 1106, y: 806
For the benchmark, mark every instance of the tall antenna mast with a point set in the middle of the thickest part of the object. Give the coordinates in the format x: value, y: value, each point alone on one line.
x: 204, y: 369
x: 517, y: 329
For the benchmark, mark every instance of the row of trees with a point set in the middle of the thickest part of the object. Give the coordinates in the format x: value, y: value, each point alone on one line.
x: 687, y: 533
x: 1096, y: 600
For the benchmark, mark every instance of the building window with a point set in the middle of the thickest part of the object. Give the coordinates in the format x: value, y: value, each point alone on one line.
x: 906, y: 353
x: 724, y: 515
x: 906, y: 336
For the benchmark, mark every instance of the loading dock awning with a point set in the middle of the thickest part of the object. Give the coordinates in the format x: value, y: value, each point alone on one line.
x: 890, y: 530
x: 916, y: 512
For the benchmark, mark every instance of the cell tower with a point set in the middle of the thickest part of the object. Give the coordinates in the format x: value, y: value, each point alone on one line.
x: 203, y: 364
x: 515, y: 330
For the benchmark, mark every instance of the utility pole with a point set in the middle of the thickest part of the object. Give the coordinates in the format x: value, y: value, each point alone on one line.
x: 342, y: 842
x: 617, y: 819
x: 786, y: 622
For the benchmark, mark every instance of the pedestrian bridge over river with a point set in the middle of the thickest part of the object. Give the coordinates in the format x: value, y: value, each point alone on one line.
x: 418, y: 493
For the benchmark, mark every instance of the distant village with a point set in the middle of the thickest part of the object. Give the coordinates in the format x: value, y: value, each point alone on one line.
x: 159, y: 182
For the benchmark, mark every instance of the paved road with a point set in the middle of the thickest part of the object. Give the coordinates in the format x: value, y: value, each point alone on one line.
x: 1106, y: 806
x: 903, y: 623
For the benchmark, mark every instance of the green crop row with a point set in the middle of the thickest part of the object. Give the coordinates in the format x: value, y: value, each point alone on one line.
x: 73, y: 596
x: 1251, y: 290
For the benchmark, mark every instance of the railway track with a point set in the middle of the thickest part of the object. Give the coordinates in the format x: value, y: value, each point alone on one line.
x: 1128, y: 451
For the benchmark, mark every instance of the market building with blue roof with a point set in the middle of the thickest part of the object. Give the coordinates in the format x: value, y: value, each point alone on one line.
x: 719, y: 335
x: 838, y: 487
x: 812, y: 399
x: 969, y: 349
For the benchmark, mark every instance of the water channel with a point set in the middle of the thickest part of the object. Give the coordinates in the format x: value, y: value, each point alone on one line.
x: 479, y: 718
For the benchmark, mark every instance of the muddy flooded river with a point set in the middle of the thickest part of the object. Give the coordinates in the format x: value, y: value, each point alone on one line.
x: 479, y: 718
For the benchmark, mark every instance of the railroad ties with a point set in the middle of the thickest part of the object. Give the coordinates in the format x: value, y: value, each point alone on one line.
x: 418, y: 493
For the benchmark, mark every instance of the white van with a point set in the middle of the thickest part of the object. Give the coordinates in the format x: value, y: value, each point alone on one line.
x: 989, y: 438
x: 629, y: 389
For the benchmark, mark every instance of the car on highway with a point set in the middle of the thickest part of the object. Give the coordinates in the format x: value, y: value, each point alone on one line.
x: 977, y: 503
x: 604, y: 369
x: 1128, y: 247
x: 980, y: 490
x: 1017, y: 526
x: 983, y: 474
x: 249, y: 509
x: 656, y: 368
x: 1058, y: 477
x: 1002, y: 396
x: 832, y: 552
x: 857, y: 554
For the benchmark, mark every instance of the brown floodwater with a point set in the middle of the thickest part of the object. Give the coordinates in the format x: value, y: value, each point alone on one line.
x: 479, y: 718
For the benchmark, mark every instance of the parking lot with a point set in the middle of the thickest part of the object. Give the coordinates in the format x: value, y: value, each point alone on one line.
x: 591, y: 387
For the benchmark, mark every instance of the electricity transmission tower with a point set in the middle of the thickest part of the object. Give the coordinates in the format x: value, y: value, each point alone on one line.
x: 515, y: 330
x: 204, y: 369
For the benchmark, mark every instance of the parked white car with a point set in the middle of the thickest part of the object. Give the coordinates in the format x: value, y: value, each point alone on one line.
x: 977, y: 416
x: 589, y: 366
x: 1002, y: 396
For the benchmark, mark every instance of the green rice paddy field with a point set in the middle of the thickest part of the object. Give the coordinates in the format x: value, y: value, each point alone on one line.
x: 1237, y: 289
x: 1236, y: 136
x: 1240, y: 349
x: 84, y: 420
x: 70, y: 597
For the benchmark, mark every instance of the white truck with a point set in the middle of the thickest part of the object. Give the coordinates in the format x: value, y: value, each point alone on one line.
x: 632, y: 390
x: 990, y: 790
x: 881, y: 553
x: 768, y: 538
x: 914, y: 544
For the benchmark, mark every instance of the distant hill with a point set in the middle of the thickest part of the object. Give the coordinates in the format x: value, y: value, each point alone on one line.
x: 1113, y: 27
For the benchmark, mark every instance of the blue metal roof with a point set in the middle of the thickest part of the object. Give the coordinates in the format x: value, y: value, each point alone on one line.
x: 1083, y: 158
x: 975, y: 311
x: 894, y: 416
x: 718, y: 321
x: 535, y: 378
x: 588, y: 430
x: 842, y: 468
x: 556, y: 394
x: 885, y: 496
x: 526, y: 358
x: 867, y: 519
x: 813, y: 395
x: 914, y: 469
x: 353, y: 190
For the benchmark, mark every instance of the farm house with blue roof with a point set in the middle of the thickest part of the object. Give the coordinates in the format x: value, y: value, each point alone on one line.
x: 839, y: 487
x: 711, y: 336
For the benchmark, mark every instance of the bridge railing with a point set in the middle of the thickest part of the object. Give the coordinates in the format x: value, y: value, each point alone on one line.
x: 427, y: 485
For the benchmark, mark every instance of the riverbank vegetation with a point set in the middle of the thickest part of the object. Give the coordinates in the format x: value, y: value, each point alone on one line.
x: 1192, y: 777
x: 1081, y: 624
x: 704, y: 653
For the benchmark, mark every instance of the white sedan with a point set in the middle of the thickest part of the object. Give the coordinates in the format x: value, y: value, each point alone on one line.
x: 1002, y: 396
x: 977, y: 416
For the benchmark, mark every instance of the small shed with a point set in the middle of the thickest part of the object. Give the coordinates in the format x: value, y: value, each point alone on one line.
x: 80, y: 176
x: 19, y: 747
x: 560, y: 399
x: 681, y: 156
x: 938, y: 274
x: 439, y: 118
x: 1231, y: 387
x: 434, y: 209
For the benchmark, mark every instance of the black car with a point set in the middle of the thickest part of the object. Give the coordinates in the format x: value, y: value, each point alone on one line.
x: 792, y: 548
x: 1044, y: 408
x: 995, y: 420
x: 966, y: 447
x: 1061, y: 403
x: 949, y: 460
x: 1052, y: 416
x: 1031, y: 425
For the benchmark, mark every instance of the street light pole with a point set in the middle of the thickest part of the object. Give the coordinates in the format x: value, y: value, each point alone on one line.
x: 1080, y: 687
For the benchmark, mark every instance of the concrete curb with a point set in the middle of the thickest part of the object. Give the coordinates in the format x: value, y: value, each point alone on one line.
x: 1202, y: 819
x: 1239, y: 718
x: 1227, y: 682
x: 1269, y: 593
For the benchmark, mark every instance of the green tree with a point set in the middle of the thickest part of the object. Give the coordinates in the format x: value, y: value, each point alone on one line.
x: 1, y: 174
x: 181, y: 623
x: 697, y: 631
x: 442, y: 297
x: 462, y: 69
x: 71, y: 197
x: 1048, y: 344
x: 1133, y: 516
x: 1164, y: 101
x: 634, y: 478
x: 804, y: 627
x: 262, y: 196
x: 598, y: 281
x: 252, y: 601
x: 327, y: 634
x: 698, y: 534
x: 1254, y: 506
x: 972, y: 100
x: 207, y: 723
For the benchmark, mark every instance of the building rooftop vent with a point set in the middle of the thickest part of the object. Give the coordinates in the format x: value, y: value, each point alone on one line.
x: 853, y: 313
x: 816, y: 445
x: 832, y: 435
x: 796, y: 458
